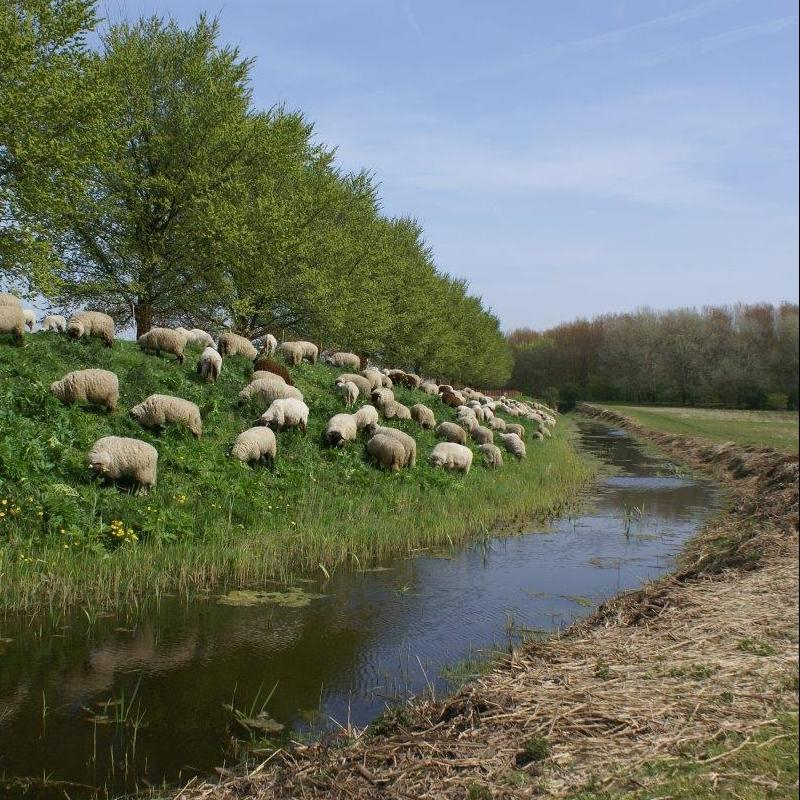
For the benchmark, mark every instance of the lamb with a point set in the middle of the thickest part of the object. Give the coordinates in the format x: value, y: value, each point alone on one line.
x: 119, y: 457
x: 286, y: 413
x: 30, y: 318
x: 497, y: 424
x: 452, y: 456
x: 341, y: 428
x: 209, y: 365
x: 92, y: 323
x: 515, y: 428
x: 54, y: 322
x: 513, y: 444
x: 162, y: 409
x: 408, y: 443
x: 255, y: 444
x: 349, y: 392
x: 166, y: 339
x: 12, y: 321
x: 292, y: 352
x: 491, y: 455
x: 267, y: 390
x: 231, y: 344
x: 7, y: 299
x: 387, y: 452
x: 423, y: 415
x: 482, y: 435
x: 97, y: 387
x: 365, y: 416
x: 201, y: 337
x: 364, y: 386
x: 344, y: 360
x: 429, y: 387
x: 451, y: 432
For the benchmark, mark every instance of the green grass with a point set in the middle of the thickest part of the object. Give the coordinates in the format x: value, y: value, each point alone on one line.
x: 210, y: 520
x: 778, y: 429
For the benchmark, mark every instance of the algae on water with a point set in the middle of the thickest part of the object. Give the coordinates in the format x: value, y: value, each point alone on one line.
x: 292, y: 597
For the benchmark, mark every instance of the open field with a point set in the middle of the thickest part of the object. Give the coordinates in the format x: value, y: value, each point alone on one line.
x: 212, y: 520
x: 778, y: 429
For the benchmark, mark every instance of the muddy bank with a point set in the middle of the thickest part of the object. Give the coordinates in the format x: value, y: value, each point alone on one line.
x: 652, y: 675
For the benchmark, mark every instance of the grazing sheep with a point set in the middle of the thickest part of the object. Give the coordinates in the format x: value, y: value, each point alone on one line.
x: 267, y: 390
x: 185, y: 331
x: 394, y: 410
x: 482, y: 435
x: 451, y: 399
x: 231, y: 344
x: 292, y: 352
x: 349, y: 392
x: 267, y: 364
x: 513, y: 427
x: 12, y: 321
x: 97, y: 387
x: 451, y: 432
x: 286, y: 413
x: 381, y: 396
x: 491, y: 455
x: 452, y: 456
x: 497, y: 424
x: 30, y: 318
x: 209, y: 365
x: 387, y: 452
x: 7, y: 299
x: 343, y: 360
x: 269, y: 345
x: 166, y: 339
x: 423, y: 415
x: 92, y: 323
x: 266, y: 374
x: 162, y: 409
x: 201, y: 337
x: 429, y: 387
x: 407, y: 379
x: 408, y: 442
x: 341, y: 428
x: 359, y: 380
x: 311, y: 352
x: 374, y: 377
x: 255, y: 444
x: 54, y: 322
x: 513, y: 444
x: 119, y: 457
x: 366, y: 415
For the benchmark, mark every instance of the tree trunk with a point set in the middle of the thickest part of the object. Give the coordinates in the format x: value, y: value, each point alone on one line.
x: 143, y: 315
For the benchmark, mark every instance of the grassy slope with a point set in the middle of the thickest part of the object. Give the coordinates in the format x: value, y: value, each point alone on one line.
x: 778, y: 429
x: 210, y: 518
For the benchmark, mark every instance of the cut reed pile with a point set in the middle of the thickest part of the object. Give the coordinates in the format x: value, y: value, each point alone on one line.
x: 691, y: 669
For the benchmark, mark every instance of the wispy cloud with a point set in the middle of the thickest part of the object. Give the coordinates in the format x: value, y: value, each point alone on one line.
x: 413, y: 24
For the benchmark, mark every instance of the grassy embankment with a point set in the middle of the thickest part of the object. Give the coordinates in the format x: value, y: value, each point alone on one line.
x: 210, y: 519
x: 778, y: 429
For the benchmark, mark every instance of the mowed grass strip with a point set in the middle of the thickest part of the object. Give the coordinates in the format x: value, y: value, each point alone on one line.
x: 212, y: 521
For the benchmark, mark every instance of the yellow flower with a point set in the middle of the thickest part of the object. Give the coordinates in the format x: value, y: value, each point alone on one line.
x: 40, y: 513
x: 5, y: 502
x: 2, y: 514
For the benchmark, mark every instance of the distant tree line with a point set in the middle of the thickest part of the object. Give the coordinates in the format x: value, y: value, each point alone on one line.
x: 140, y: 179
x: 743, y: 356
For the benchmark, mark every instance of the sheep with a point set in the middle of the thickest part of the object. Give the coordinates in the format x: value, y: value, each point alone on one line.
x: 255, y: 444
x: 266, y: 364
x: 161, y: 409
x: 166, y: 339
x: 407, y: 379
x: 30, y: 318
x: 394, y: 410
x: 292, y: 352
x: 97, y: 387
x: 185, y: 331
x: 408, y: 442
x: 491, y: 455
x: 311, y: 352
x: 12, y: 321
x: 381, y: 396
x: 513, y: 444
x: 266, y: 374
x: 374, y: 377
x: 366, y: 415
x: 231, y: 344
x: 482, y: 435
x: 286, y: 413
x: 341, y: 428
x: 364, y: 385
x: 209, y: 365
x: 54, y: 322
x: 451, y: 399
x: 269, y: 345
x: 513, y: 427
x: 429, y: 387
x: 7, y: 299
x: 497, y: 424
x: 451, y: 432
x: 423, y: 415
x: 267, y: 390
x: 349, y: 392
x: 344, y: 360
x: 201, y: 337
x: 116, y: 457
x: 387, y: 452
x: 452, y: 456
x: 92, y: 323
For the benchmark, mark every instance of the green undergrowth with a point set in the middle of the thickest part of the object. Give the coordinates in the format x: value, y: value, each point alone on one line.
x: 65, y: 538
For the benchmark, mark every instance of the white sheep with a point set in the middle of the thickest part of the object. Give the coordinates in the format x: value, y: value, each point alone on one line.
x: 162, y: 409
x: 311, y: 351
x: 167, y: 339
x: 513, y: 427
x: 395, y: 410
x: 387, y: 452
x: 497, y: 424
x: 200, y: 337
x: 7, y: 299
x: 209, y: 365
x: 30, y: 318
x: 381, y: 396
x: 286, y: 413
x: 12, y: 321
x: 120, y: 457
x: 451, y: 456
x: 269, y: 345
x: 97, y: 387
x: 255, y: 444
x: 92, y: 323
x: 491, y: 455
x: 451, y: 432
x: 54, y: 322
x: 292, y: 352
x: 340, y: 359
x: 429, y: 387
x: 365, y: 416
x: 482, y: 435
x: 408, y: 442
x: 349, y: 392
x: 513, y: 444
x: 423, y: 415
x: 374, y: 377
x: 341, y: 428
x: 267, y: 390
x: 266, y: 374
x: 364, y: 384
x: 231, y: 344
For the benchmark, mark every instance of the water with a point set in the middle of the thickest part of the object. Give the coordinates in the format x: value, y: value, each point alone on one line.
x: 373, y: 638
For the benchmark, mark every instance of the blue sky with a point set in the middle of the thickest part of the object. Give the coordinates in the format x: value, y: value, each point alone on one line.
x: 568, y: 158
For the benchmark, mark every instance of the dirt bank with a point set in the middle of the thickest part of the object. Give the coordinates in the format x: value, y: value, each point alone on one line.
x: 689, y: 670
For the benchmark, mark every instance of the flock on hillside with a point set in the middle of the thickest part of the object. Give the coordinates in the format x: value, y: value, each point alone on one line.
x: 117, y: 458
